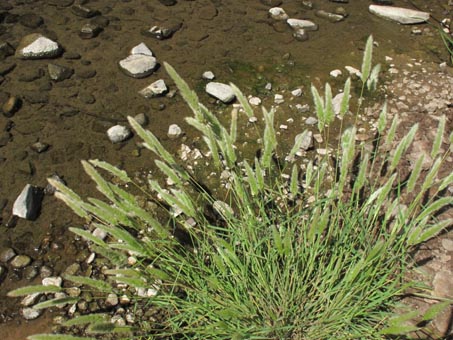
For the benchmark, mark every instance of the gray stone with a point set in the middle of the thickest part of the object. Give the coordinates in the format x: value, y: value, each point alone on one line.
x: 220, y: 91
x: 5, y: 50
x: 20, y: 261
x: 447, y: 244
x: 311, y: 121
x: 11, y: 106
x: 307, y: 142
x: 37, y: 46
x: 174, y: 131
x: 39, y: 147
x: 31, y: 313
x: 304, y: 24
x: 141, y: 49
x: 300, y: 34
x: 399, y: 14
x: 7, y: 254
x: 118, y: 133
x: 138, y: 65
x: 89, y: 31
x: 49, y: 189
x: 443, y: 284
x: 58, y: 72
x: 28, y: 203
x: 112, y: 300
x: 155, y: 89
x: 83, y: 11
x: 332, y: 17
x: 141, y: 119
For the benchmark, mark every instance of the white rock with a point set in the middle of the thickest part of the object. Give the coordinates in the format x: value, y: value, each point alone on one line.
x: 31, y: 313
x: 174, y: 131
x: 399, y: 14
x: 52, y: 281
x: 138, y: 65
x: 278, y: 99
x: 335, y: 73
x: 278, y: 13
x: 302, y: 108
x: 30, y: 299
x: 283, y: 127
x: 336, y: 102
x: 208, y: 75
x: 37, y: 46
x: 141, y: 49
x: 220, y: 91
x: 304, y: 24
x: 28, y: 203
x: 353, y: 71
x: 255, y: 101
x: 155, y: 89
x: 118, y: 133
x: 223, y: 208
x: 296, y: 92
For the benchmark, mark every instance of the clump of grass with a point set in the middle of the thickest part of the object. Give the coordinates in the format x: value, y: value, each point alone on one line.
x: 321, y: 253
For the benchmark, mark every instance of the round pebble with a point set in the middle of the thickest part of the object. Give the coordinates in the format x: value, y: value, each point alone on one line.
x: 20, y: 261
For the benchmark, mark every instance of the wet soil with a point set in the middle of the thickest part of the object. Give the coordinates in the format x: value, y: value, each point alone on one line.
x: 234, y: 39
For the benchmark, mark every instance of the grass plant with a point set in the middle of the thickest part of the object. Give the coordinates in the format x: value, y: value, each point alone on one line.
x: 321, y: 253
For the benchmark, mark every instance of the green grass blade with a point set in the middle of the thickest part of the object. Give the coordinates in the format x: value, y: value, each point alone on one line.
x: 319, y: 106
x: 151, y: 141
x: 366, y: 62
x: 251, y: 179
x: 329, y: 112
x: 402, y: 147
x: 56, y: 302
x: 372, y: 81
x: 242, y: 100
x: 85, y: 319
x: 344, y: 106
x: 297, y: 145
x: 431, y: 231
x: 28, y: 290
x: 99, y: 285
x: 435, y: 310
x: 294, y: 183
x: 382, y: 121
x: 390, y: 136
x: 57, y: 337
x: 121, y: 174
x: 438, y: 139
x: 88, y: 236
x: 415, y: 174
x: 234, y: 125
x: 189, y: 96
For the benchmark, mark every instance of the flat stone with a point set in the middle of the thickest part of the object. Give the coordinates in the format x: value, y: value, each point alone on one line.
x: 138, y: 65
x: 58, y: 72
x: 155, y: 89
x: 28, y: 203
x: 335, y: 73
x: 300, y: 34
x: 30, y: 299
x: 141, y: 49
x: 304, y: 24
x: 20, y: 261
x: 401, y: 15
x: 221, y: 91
x: 118, y: 133
x: 443, y: 284
x: 332, y: 17
x: 141, y: 119
x: 37, y: 46
x: 112, y: 300
x: 39, y: 147
x: 307, y: 142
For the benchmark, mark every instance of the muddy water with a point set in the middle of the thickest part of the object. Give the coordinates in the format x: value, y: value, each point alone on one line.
x: 234, y: 39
